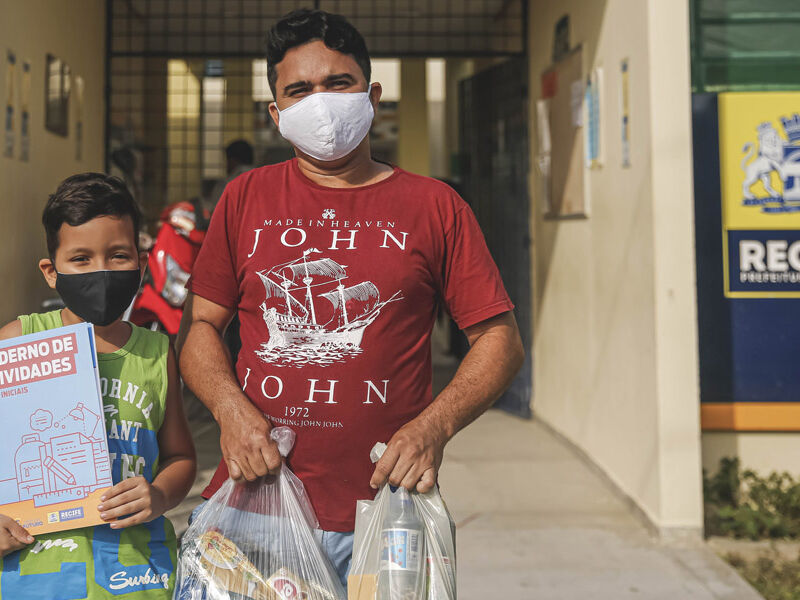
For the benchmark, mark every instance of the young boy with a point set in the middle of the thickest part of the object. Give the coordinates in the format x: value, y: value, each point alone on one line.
x: 92, y: 228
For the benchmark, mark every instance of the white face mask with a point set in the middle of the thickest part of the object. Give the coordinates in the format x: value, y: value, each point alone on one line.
x: 327, y: 125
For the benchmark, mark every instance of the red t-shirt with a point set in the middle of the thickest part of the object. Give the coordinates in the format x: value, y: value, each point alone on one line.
x: 337, y: 292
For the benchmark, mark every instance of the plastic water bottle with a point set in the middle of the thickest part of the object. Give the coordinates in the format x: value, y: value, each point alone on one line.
x: 401, y: 574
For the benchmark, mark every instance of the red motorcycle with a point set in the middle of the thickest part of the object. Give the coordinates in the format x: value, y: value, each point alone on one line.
x: 159, y: 305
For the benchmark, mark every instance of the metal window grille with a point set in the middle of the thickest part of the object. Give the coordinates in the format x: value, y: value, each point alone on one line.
x: 187, y: 77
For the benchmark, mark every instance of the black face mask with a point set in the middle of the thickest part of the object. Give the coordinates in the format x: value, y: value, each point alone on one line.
x: 99, y: 297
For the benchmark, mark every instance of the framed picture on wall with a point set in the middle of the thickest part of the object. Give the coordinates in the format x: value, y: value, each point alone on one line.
x: 56, y: 90
x: 564, y: 91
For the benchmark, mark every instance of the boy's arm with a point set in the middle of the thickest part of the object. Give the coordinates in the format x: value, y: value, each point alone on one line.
x: 144, y: 501
x: 178, y: 458
x: 11, y: 330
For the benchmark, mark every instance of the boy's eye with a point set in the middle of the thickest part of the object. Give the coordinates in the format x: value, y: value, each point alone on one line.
x: 121, y: 256
x: 78, y: 259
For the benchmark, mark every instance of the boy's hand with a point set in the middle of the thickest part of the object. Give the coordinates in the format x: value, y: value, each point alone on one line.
x: 13, y: 537
x: 134, y: 497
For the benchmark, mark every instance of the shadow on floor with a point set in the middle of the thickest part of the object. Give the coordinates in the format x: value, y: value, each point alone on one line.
x: 534, y: 519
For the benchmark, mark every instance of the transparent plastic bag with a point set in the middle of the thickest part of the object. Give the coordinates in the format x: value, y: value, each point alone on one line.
x: 404, y: 546
x: 255, y: 541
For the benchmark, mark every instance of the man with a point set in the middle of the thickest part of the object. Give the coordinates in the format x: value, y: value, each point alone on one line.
x: 238, y: 160
x: 335, y: 264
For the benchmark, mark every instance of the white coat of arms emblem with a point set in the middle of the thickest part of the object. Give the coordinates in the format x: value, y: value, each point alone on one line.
x: 775, y: 154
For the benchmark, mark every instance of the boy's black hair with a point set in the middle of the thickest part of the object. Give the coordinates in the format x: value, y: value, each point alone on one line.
x: 305, y: 25
x: 84, y: 197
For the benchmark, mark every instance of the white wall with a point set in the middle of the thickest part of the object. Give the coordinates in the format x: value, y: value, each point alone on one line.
x: 764, y: 452
x: 74, y: 32
x: 615, y: 322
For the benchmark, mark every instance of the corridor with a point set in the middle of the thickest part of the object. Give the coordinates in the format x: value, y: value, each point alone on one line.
x: 536, y: 521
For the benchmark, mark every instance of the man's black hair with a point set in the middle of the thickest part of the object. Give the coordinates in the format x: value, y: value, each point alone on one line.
x: 306, y: 25
x: 84, y: 197
x: 241, y: 151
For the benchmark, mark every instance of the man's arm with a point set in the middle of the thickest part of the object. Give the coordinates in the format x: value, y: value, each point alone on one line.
x: 414, y: 453
x: 207, y: 369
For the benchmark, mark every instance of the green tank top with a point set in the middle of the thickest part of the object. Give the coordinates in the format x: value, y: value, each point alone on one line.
x: 99, y: 562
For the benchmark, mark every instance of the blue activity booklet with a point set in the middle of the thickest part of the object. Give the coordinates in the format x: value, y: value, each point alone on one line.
x: 54, y: 462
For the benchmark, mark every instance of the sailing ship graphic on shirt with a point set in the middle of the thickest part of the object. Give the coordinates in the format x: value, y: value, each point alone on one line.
x: 314, y: 313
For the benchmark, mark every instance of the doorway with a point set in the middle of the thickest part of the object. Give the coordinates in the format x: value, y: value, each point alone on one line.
x: 493, y: 150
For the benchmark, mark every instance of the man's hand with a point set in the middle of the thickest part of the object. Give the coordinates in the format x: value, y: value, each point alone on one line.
x: 12, y: 536
x: 412, y: 457
x: 135, y: 497
x: 246, y: 446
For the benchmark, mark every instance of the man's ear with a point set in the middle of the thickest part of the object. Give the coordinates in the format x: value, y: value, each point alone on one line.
x: 273, y: 112
x: 375, y: 93
x: 48, y: 270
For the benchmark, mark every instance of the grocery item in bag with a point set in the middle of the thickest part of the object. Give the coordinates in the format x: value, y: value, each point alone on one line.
x: 401, y: 574
x: 228, y: 567
x: 440, y: 541
x: 404, y: 546
x: 255, y: 541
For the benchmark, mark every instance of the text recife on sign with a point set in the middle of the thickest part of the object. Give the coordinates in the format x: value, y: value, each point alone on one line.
x: 763, y: 260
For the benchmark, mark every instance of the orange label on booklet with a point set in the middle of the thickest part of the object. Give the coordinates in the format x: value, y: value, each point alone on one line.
x: 54, y: 462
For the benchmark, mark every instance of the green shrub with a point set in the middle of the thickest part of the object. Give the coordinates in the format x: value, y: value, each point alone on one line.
x: 774, y: 579
x: 742, y: 504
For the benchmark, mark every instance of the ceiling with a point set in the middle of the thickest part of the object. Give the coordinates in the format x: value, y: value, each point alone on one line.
x: 390, y: 27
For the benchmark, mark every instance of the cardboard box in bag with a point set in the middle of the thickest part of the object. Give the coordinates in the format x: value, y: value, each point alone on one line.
x: 363, y: 586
